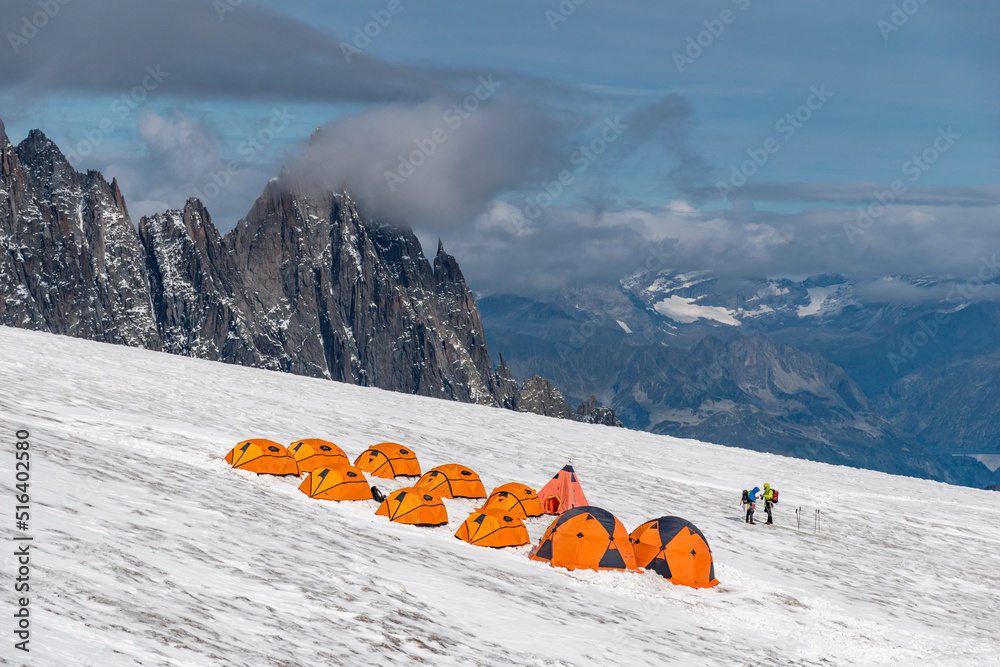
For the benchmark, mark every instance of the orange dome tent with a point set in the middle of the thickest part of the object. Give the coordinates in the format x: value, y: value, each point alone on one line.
x: 562, y: 493
x: 586, y: 538
x: 491, y: 528
x: 452, y: 481
x: 518, y: 500
x: 676, y: 550
x: 388, y: 460
x: 340, y: 483
x: 264, y: 457
x: 414, y: 506
x: 313, y: 453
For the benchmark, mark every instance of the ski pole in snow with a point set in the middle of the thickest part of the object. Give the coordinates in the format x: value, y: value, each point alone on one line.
x: 798, y: 518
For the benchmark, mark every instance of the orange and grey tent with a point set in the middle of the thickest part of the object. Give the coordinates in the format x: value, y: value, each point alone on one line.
x: 416, y: 506
x: 586, y: 538
x: 339, y: 483
x: 518, y: 500
x: 388, y: 460
x: 262, y: 457
x: 313, y: 453
x: 676, y: 550
x: 452, y: 481
x: 562, y: 493
x: 491, y: 528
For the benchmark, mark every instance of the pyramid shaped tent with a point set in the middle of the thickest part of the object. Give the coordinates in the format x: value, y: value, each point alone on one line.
x: 562, y: 493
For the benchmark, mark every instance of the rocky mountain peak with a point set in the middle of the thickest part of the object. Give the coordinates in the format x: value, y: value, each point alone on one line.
x: 354, y: 299
x: 507, y: 392
x: 38, y: 149
x: 8, y: 157
x: 116, y: 193
x: 200, y: 304
x: 78, y: 269
x: 305, y: 283
x: 446, y: 267
x: 538, y: 395
x: 45, y: 158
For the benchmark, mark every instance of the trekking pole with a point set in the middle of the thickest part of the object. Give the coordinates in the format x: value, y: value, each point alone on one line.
x: 798, y: 519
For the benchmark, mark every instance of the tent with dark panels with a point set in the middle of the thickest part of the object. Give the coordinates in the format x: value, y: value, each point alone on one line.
x: 264, y: 457
x: 493, y: 528
x: 313, y: 453
x: 676, y: 549
x: 452, y: 481
x: 414, y: 506
x: 518, y: 500
x: 563, y: 492
x: 339, y: 483
x: 388, y: 460
x: 586, y: 538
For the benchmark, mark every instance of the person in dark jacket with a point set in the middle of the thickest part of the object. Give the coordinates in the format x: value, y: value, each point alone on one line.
x: 752, y: 504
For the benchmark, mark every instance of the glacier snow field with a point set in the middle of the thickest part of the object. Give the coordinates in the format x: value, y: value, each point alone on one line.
x: 149, y: 550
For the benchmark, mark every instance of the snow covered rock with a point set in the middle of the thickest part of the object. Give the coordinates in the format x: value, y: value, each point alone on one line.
x: 70, y: 261
x: 305, y: 283
x: 355, y: 300
x: 198, y: 298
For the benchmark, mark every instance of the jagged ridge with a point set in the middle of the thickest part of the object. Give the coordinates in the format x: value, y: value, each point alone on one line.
x: 304, y: 284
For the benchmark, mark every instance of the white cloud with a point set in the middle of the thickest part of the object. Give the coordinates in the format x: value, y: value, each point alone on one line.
x: 573, y: 246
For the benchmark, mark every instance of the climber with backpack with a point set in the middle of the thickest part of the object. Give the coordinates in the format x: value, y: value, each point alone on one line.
x: 770, y: 497
x: 750, y: 501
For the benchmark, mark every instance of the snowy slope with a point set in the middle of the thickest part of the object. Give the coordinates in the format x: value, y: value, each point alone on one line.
x: 151, y: 551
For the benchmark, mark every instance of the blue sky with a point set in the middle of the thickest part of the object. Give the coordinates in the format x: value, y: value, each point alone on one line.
x: 926, y: 67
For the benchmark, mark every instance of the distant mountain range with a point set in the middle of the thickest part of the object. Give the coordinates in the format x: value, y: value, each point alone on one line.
x: 303, y: 284
x: 806, y: 368
x: 307, y: 284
